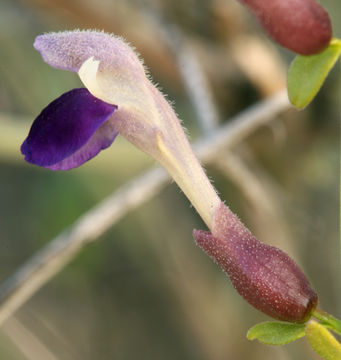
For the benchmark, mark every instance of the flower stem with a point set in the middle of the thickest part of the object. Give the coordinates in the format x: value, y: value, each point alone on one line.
x: 169, y: 145
x: 191, y: 178
x: 322, y: 341
x: 328, y: 320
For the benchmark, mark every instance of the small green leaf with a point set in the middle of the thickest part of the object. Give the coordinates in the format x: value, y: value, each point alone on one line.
x: 307, y: 74
x: 322, y: 341
x: 276, y: 333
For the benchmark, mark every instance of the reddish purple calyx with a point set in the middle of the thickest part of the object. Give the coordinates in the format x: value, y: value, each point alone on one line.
x: 265, y: 276
x: 302, y: 26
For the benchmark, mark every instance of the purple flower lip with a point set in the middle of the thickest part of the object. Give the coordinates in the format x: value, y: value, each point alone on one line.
x: 265, y: 276
x: 69, y: 131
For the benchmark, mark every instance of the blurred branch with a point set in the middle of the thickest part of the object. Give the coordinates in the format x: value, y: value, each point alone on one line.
x: 240, y: 126
x: 262, y: 198
x: 260, y: 62
x: 192, y: 75
x: 235, y: 168
x: 113, y: 17
x: 61, y: 250
x: 26, y: 341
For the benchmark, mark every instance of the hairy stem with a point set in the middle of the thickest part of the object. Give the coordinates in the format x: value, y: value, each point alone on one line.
x: 328, y: 320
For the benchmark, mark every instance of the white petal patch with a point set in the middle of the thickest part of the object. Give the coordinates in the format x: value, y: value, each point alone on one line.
x: 115, y: 86
x: 88, y: 75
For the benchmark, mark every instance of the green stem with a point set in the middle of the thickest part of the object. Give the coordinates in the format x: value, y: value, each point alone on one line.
x: 328, y: 320
x: 336, y: 41
x: 322, y: 341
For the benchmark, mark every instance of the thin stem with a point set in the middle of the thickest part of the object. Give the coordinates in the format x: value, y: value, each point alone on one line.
x: 328, y: 320
x: 191, y: 178
x: 322, y: 341
x: 27, y: 342
x: 170, y: 147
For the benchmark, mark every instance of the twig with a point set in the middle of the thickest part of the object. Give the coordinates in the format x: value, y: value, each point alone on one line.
x: 26, y: 341
x: 261, y: 194
x: 194, y: 80
x: 240, y: 126
x: 262, y: 65
x: 61, y: 250
x: 237, y: 171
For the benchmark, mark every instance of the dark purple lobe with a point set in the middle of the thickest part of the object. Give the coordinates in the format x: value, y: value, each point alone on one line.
x: 69, y: 131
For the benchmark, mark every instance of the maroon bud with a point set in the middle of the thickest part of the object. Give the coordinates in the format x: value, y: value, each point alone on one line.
x: 265, y: 276
x: 302, y: 26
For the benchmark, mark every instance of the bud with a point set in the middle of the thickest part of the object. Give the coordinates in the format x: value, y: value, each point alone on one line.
x: 265, y: 276
x: 302, y: 26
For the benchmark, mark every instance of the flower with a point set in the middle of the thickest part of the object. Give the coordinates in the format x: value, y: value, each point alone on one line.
x: 118, y: 98
x: 80, y: 123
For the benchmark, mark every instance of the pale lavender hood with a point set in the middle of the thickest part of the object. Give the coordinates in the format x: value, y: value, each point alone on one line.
x: 70, y: 49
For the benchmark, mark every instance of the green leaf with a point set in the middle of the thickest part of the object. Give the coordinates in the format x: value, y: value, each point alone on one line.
x: 322, y: 341
x: 307, y: 74
x: 276, y: 333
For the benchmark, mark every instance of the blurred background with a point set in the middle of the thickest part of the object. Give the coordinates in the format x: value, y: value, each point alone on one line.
x: 144, y: 290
